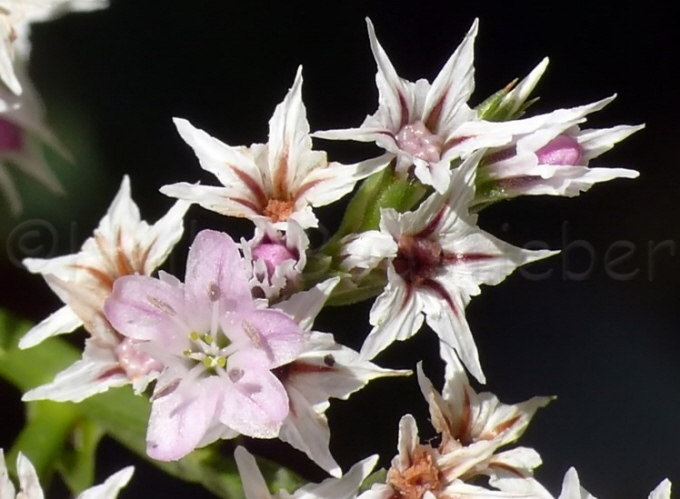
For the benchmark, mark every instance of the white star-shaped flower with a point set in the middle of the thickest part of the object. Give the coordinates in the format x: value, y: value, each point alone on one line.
x: 436, y: 259
x: 428, y: 125
x: 255, y: 487
x: 466, y: 419
x: 416, y: 471
x: 15, y: 19
x: 29, y: 485
x: 123, y: 244
x: 278, y: 181
x: 324, y: 370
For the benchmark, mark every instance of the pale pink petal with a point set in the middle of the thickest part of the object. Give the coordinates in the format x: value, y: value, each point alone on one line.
x: 276, y: 334
x: 216, y: 272
x: 144, y: 308
x: 255, y: 403
x: 179, y: 421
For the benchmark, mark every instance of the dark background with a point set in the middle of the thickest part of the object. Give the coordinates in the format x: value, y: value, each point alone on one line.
x: 602, y: 337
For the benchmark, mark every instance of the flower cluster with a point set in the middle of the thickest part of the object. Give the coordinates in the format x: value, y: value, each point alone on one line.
x: 231, y: 349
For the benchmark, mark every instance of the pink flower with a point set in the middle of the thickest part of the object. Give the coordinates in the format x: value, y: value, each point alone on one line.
x: 218, y: 347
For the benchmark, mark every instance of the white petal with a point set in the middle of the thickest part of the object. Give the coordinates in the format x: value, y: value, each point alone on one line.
x: 368, y: 249
x: 28, y: 479
x: 662, y: 491
x: 453, y: 87
x: 390, y: 86
x: 229, y: 164
x: 571, y: 487
x: 308, y: 431
x: 598, y: 141
x: 345, y: 487
x: 62, y: 321
x: 96, y: 372
x: 6, y: 486
x: 162, y: 236
x: 254, y: 486
x: 395, y: 315
x: 330, y: 183
x: 110, y: 488
x: 304, y: 306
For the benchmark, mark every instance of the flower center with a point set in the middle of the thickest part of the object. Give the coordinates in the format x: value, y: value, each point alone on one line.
x: 562, y: 150
x: 11, y: 137
x: 421, y: 477
x: 417, y: 258
x: 279, y: 211
x: 207, y: 350
x: 417, y: 140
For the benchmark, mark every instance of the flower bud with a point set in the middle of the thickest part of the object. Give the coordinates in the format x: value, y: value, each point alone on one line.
x: 562, y: 150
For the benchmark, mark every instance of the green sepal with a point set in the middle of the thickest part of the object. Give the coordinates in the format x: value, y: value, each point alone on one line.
x: 490, y: 106
x: 384, y: 189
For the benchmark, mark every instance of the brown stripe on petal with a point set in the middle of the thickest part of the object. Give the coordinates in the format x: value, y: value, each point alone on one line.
x: 405, y: 117
x: 252, y: 185
x: 463, y: 430
x: 432, y: 121
x: 106, y: 280
x: 280, y: 180
x: 454, y: 142
x: 432, y: 225
x: 123, y: 264
x: 165, y: 390
x: 305, y: 187
x: 110, y: 372
x: 453, y: 258
x: 437, y: 288
x: 500, y: 428
x: 286, y: 371
x: 249, y: 204
x: 508, y: 468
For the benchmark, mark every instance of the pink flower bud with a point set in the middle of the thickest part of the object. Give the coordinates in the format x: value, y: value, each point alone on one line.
x: 562, y: 150
x: 11, y: 136
x: 273, y: 254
